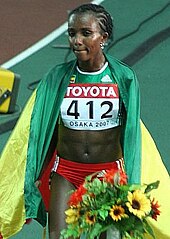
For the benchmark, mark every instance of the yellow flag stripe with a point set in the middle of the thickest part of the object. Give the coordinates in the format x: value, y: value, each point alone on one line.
x: 12, y: 214
x: 153, y: 169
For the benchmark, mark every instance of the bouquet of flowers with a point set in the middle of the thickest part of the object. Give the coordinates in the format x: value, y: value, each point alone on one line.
x: 98, y: 205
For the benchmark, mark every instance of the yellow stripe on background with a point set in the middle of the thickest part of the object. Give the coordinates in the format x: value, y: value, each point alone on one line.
x: 12, y: 170
x: 153, y: 169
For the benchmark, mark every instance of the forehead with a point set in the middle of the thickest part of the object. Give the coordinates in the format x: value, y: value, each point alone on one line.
x: 83, y: 20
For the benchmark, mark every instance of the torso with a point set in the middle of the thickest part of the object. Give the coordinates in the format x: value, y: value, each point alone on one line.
x: 89, y: 146
x: 81, y: 139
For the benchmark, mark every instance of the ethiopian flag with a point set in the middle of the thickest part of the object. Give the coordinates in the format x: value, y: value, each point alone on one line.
x: 24, y: 154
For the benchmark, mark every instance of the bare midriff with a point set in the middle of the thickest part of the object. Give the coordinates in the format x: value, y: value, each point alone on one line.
x: 89, y: 146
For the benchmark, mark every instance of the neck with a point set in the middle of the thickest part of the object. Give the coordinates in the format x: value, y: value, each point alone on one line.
x: 91, y: 66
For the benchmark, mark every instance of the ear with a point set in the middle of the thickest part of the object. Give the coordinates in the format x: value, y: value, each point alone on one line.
x: 105, y: 37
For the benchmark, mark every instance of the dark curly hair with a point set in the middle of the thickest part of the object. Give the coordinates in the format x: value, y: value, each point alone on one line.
x: 103, y: 17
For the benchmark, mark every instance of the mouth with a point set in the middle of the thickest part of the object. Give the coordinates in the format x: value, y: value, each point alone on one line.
x: 79, y: 50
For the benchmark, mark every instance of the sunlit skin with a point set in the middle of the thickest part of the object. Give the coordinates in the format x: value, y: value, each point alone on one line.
x: 85, y: 37
x: 85, y: 146
x: 81, y: 146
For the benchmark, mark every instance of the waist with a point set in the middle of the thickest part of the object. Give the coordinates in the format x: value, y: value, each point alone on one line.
x: 88, y: 147
x: 117, y: 164
x: 76, y: 172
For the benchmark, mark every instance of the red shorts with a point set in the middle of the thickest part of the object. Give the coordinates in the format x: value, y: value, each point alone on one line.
x: 75, y: 172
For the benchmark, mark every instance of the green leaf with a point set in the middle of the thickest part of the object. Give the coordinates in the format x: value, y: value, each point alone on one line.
x: 105, y: 207
x: 103, y: 214
x: 148, y: 228
x: 152, y: 186
x: 126, y: 224
x: 70, y: 231
x: 95, y: 231
x: 88, y: 178
x: 96, y: 182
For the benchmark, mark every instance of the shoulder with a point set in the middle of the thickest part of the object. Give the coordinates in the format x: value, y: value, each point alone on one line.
x: 125, y: 78
x: 119, y: 67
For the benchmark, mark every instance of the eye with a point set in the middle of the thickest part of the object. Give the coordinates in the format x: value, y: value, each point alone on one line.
x: 87, y: 33
x: 71, y: 33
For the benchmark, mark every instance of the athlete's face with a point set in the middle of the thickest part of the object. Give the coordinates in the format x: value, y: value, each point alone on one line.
x: 85, y: 37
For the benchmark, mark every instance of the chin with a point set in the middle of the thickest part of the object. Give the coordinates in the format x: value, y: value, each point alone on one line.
x: 82, y: 58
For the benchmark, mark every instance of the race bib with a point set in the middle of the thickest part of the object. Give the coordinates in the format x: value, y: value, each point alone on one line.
x: 90, y: 106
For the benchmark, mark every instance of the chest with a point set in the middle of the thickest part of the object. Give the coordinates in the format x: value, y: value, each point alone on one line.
x: 91, y: 102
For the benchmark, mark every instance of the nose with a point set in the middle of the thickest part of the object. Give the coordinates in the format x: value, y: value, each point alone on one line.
x: 78, y: 40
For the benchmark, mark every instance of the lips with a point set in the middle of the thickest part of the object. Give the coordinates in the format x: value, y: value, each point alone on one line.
x: 79, y: 50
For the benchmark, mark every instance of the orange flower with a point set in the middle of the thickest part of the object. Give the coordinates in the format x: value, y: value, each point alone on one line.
x: 115, y: 177
x: 109, y: 176
x: 76, y: 197
x: 123, y: 178
x: 90, y: 219
x: 154, y: 209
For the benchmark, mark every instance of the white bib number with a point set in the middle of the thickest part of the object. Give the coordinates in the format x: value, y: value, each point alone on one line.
x: 91, y: 107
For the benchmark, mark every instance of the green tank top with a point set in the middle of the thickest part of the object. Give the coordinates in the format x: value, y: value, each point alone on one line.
x: 102, y: 76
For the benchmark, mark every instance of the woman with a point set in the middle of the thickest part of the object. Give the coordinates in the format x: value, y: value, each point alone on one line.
x: 92, y: 115
x: 88, y: 111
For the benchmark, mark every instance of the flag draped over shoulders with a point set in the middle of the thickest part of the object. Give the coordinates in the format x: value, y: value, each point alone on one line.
x: 44, y: 116
x: 24, y: 154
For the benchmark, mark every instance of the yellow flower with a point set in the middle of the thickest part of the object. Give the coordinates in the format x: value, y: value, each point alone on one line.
x: 72, y: 215
x: 117, y: 212
x: 90, y: 219
x: 138, y: 203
